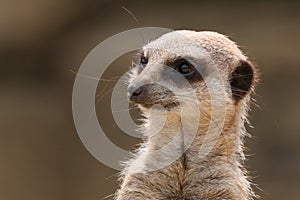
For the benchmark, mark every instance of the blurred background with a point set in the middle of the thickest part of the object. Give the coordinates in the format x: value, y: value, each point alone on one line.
x: 43, y: 43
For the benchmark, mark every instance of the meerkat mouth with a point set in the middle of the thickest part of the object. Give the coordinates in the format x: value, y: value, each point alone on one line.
x: 161, y: 106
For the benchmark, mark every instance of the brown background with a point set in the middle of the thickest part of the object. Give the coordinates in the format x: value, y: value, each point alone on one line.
x: 42, y: 41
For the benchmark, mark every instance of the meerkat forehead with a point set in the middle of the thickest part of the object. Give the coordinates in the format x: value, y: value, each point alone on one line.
x: 204, y: 45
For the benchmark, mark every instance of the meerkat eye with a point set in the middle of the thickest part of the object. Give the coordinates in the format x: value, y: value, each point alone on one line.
x: 185, y: 68
x: 143, y: 62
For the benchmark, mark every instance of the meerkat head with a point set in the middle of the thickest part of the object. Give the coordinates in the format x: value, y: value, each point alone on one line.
x: 182, y: 64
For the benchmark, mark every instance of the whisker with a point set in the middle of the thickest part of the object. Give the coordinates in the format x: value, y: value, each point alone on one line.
x: 109, y: 196
x: 131, y: 14
x: 114, y: 175
x: 102, y: 91
x: 103, y: 95
x: 115, y: 78
x: 129, y: 109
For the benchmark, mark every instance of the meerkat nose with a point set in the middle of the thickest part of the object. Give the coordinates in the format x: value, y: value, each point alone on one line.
x: 137, y: 92
x: 134, y: 92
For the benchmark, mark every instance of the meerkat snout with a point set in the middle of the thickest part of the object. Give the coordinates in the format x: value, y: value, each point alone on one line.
x: 148, y: 95
x: 134, y: 93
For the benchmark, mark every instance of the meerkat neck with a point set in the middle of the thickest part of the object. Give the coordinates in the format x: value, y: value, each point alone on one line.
x: 219, y: 173
x: 224, y: 141
x: 202, y: 163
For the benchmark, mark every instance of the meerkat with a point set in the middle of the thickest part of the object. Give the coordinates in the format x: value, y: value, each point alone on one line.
x: 219, y: 173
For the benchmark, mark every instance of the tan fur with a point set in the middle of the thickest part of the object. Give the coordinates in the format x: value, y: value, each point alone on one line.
x: 220, y: 175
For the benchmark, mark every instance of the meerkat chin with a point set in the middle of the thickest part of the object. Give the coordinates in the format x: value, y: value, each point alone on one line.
x: 196, y: 76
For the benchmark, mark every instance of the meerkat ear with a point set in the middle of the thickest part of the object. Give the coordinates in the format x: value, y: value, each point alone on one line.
x: 242, y: 79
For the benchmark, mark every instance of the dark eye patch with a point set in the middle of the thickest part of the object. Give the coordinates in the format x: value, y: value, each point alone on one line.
x: 143, y: 62
x: 186, y: 69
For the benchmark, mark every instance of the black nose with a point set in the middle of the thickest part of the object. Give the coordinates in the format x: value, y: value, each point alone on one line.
x: 137, y: 92
x: 134, y: 93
